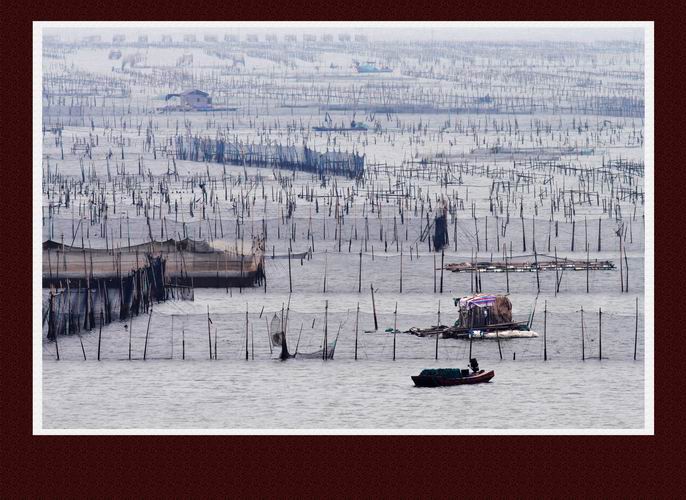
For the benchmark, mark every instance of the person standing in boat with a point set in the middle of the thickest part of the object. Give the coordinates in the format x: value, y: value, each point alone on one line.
x: 474, y: 365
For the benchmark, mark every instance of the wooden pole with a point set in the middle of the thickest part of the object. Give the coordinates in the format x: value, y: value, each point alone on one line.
x: 290, y: 281
x: 357, y: 323
x: 130, y: 330
x: 557, y: 274
x: 326, y: 332
x: 507, y: 273
x: 545, y: 343
x: 209, y: 335
x: 325, y: 266
x: 183, y: 343
x: 442, y: 260
x: 395, y: 328
x: 583, y: 336
x: 147, y: 332
x: 588, y: 265
x: 100, y: 335
x: 376, y: 324
x: 538, y: 281
x: 401, y: 270
x: 359, y: 280
x: 600, y: 333
x: 636, y: 331
x: 434, y: 273
x: 82, y: 348
x: 246, y: 332
x: 621, y: 266
x: 439, y: 324
x: 626, y: 262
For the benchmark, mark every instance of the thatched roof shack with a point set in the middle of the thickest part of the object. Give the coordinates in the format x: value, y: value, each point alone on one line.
x: 484, y: 309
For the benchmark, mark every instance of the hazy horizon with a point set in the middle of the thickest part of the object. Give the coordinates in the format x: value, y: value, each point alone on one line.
x: 496, y: 33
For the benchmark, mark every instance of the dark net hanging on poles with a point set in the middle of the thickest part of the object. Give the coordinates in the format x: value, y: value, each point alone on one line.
x: 73, y: 309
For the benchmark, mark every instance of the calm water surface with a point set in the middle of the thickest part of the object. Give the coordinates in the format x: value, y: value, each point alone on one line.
x: 301, y: 394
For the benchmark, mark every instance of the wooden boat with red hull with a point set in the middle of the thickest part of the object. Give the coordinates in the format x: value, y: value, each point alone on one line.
x: 434, y: 381
x: 442, y: 377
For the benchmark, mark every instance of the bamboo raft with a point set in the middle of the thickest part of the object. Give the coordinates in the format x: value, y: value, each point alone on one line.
x: 465, y: 332
x: 520, y: 267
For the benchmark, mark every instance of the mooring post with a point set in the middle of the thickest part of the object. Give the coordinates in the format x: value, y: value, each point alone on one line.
x: 395, y: 327
x: 246, y: 332
x: 325, y: 350
x: 507, y: 273
x: 545, y: 343
x: 588, y: 265
x: 359, y: 279
x: 147, y: 332
x: 100, y: 335
x: 376, y: 324
x: 583, y: 335
x: 439, y: 324
x: 442, y: 260
x: 357, y: 324
x: 209, y: 335
x: 52, y: 322
x: 434, y: 273
x: 600, y: 333
x: 636, y: 331
x: 130, y: 330
x: 401, y: 270
x: 290, y: 281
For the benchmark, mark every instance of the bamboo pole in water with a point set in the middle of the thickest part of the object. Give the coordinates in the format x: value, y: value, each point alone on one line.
x: 439, y: 324
x: 600, y: 333
x: 376, y: 324
x: 545, y: 343
x: 357, y: 323
x: 395, y: 327
x: 100, y: 335
x: 442, y: 261
x: 636, y: 330
x: 326, y: 326
x: 359, y: 279
x: 583, y: 335
x: 147, y: 333
x: 401, y: 270
x: 209, y: 335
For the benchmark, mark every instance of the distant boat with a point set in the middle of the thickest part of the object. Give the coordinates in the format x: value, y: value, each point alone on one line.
x: 442, y: 377
x: 371, y: 67
x: 354, y: 127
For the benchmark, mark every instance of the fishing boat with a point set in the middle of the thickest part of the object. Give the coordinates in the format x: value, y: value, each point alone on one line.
x: 371, y: 67
x: 442, y: 377
x: 354, y: 127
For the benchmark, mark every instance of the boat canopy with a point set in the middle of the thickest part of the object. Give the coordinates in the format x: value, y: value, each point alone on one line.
x: 478, y: 300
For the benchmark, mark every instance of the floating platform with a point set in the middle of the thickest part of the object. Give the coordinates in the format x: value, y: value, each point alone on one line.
x: 521, y: 267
